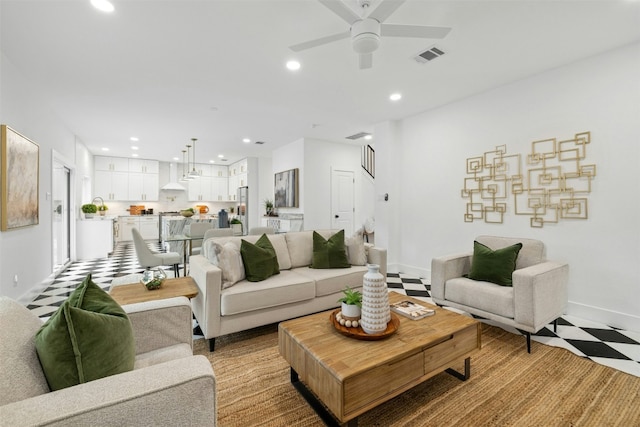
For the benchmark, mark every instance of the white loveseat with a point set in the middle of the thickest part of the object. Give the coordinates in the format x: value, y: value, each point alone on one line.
x: 298, y: 290
x: 537, y: 297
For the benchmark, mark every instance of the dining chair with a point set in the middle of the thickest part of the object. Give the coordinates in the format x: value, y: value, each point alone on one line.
x: 217, y: 232
x: 196, y: 230
x: 148, y: 258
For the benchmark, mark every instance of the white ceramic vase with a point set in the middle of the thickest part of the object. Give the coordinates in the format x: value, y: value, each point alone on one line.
x: 375, y: 312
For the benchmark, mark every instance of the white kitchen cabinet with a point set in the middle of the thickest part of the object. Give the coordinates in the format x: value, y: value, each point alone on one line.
x: 200, y: 189
x: 114, y: 164
x: 143, y: 187
x: 146, y: 225
x: 144, y: 166
x: 219, y: 189
x: 111, y: 185
x: 219, y: 171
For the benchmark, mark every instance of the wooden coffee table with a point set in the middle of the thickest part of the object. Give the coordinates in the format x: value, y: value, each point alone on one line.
x: 137, y: 292
x: 350, y: 376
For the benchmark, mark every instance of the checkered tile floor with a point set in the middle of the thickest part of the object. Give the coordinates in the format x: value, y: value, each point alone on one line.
x: 605, y: 345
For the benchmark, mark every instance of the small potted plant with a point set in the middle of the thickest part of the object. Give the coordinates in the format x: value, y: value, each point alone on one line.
x: 236, y: 224
x: 89, y: 210
x: 268, y: 207
x: 102, y: 210
x: 351, y: 304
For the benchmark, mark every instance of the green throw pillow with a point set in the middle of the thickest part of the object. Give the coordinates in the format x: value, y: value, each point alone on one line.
x: 88, y: 338
x: 260, y: 260
x: 329, y: 253
x: 494, y: 266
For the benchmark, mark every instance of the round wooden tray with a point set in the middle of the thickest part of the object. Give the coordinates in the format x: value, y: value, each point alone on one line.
x: 359, y: 334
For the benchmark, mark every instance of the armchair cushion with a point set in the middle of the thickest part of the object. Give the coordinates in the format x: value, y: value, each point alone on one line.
x: 88, y: 338
x: 494, y: 266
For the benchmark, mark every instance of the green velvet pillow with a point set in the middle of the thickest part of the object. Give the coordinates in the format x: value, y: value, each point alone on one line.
x: 89, y: 337
x: 494, y: 266
x: 260, y: 260
x: 329, y: 253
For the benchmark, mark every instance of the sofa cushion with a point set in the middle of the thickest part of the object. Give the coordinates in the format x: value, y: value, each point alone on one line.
x: 163, y: 354
x: 260, y: 260
x: 21, y: 375
x: 356, y: 254
x: 87, y: 338
x: 485, y: 296
x: 300, y: 246
x: 494, y: 266
x: 329, y: 253
x: 228, y: 259
x: 285, y: 288
x: 333, y: 280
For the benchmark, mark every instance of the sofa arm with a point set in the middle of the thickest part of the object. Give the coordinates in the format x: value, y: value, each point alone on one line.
x: 378, y: 256
x: 179, y: 392
x: 445, y: 268
x: 162, y: 323
x: 540, y: 293
x: 206, y: 305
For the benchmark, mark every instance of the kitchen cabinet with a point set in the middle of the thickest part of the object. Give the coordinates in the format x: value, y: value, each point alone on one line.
x: 147, y: 225
x: 144, y: 166
x: 114, y: 164
x: 200, y: 189
x: 219, y: 189
x: 143, y: 186
x: 111, y: 185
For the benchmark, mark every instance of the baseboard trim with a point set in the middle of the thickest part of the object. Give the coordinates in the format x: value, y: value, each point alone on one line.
x: 611, y: 318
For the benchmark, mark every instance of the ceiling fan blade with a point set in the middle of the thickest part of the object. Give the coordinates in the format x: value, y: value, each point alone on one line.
x: 385, y: 9
x: 319, y: 42
x: 341, y: 9
x: 366, y: 60
x: 398, y: 30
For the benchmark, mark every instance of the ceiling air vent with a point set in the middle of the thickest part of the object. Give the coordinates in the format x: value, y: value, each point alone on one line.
x: 358, y: 135
x: 429, y: 55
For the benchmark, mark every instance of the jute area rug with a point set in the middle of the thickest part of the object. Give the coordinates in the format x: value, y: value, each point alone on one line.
x: 508, y: 387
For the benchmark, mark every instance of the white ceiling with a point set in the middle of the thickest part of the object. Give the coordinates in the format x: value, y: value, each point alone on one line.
x: 167, y: 71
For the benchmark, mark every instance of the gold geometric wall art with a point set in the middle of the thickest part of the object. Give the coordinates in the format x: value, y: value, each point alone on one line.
x: 553, y: 186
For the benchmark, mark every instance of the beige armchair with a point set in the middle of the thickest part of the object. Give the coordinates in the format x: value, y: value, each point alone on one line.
x: 168, y: 386
x: 537, y: 297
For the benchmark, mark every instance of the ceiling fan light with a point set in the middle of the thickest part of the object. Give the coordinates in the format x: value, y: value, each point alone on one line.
x: 365, y: 43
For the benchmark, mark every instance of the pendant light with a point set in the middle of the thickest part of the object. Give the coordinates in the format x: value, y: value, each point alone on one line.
x: 194, y: 173
x: 183, y: 178
x: 187, y: 175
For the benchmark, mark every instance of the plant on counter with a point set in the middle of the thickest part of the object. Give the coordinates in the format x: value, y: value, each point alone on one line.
x: 268, y: 206
x: 102, y: 208
x: 89, y: 208
x: 235, y: 221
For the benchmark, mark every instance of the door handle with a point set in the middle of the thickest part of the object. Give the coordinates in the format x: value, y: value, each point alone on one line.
x: 337, y: 216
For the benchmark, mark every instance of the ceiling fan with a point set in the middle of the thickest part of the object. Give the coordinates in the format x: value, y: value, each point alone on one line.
x: 366, y: 30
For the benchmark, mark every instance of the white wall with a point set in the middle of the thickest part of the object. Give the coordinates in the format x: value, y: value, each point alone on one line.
x: 601, y: 95
x: 26, y: 252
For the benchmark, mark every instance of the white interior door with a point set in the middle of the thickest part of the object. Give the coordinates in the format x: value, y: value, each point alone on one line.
x: 61, y: 217
x: 342, y: 201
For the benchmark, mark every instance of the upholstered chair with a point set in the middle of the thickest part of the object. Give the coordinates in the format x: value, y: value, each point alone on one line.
x: 167, y: 386
x: 536, y: 296
x: 197, y: 230
x: 148, y: 258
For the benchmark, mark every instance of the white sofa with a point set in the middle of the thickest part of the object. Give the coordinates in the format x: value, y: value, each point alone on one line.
x: 537, y: 297
x: 298, y: 290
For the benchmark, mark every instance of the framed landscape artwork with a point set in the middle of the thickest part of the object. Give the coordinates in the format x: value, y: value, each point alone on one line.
x: 20, y: 180
x: 286, y: 189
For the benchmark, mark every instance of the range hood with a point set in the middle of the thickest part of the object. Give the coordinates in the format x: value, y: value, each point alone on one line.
x: 173, y: 179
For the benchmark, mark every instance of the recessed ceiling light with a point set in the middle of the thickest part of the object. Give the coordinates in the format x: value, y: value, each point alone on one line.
x: 212, y: 161
x: 134, y: 138
x: 103, y: 5
x: 105, y: 149
x: 134, y: 155
x: 176, y: 158
x: 220, y: 156
x: 395, y: 96
x: 133, y: 147
x: 246, y: 140
x: 293, y: 65
x: 368, y: 137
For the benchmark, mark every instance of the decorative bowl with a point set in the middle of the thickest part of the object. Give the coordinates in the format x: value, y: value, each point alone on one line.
x: 186, y: 213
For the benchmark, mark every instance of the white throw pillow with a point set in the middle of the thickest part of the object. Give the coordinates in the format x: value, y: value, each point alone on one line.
x: 356, y: 254
x: 228, y: 259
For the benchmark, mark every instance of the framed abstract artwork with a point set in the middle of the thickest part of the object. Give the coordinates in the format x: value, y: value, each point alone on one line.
x: 286, y: 189
x: 20, y: 180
